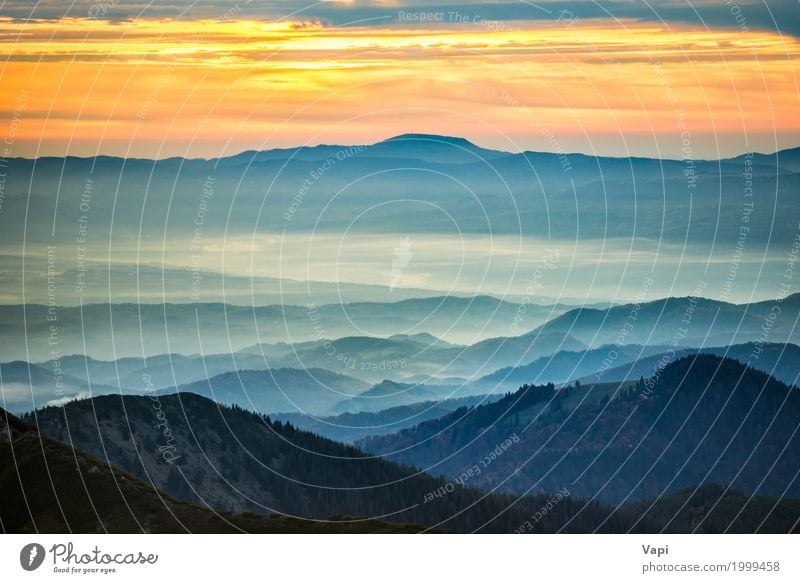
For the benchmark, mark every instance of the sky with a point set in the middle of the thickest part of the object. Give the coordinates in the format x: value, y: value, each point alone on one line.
x: 671, y: 79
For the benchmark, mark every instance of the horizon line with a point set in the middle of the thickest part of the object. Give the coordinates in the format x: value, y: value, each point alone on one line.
x: 621, y: 302
x: 441, y: 138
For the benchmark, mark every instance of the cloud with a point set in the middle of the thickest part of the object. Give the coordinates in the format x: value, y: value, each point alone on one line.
x: 210, y: 87
x: 775, y: 15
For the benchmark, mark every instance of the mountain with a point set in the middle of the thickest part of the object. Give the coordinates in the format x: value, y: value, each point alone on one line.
x: 162, y: 370
x: 715, y: 509
x: 433, y: 148
x: 687, y: 321
x: 411, y: 146
x: 228, y: 459
x: 236, y: 461
x: 494, y: 212
x: 781, y: 361
x: 422, y: 339
x: 494, y: 353
x: 471, y: 186
x: 701, y: 420
x: 402, y: 356
x: 159, y: 329
x: 566, y: 365
x: 389, y: 394
x: 368, y: 358
x: 25, y: 386
x: 48, y: 487
x: 164, y: 329
x: 313, y: 391
x: 789, y: 159
x: 616, y: 363
x: 349, y: 427
x: 421, y: 365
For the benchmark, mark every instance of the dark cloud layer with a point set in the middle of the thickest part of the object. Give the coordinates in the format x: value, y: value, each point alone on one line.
x: 773, y: 15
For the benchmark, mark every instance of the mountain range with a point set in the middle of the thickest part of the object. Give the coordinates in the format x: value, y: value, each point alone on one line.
x: 183, y: 454
x: 268, y: 220
x: 370, y: 374
x: 699, y: 420
x: 155, y: 329
x: 415, y: 335
x: 239, y: 462
x: 298, y: 339
x: 596, y: 198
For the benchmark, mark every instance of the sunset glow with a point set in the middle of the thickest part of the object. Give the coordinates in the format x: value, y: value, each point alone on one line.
x: 159, y: 88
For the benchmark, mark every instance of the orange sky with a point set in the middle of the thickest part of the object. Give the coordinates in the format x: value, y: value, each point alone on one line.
x: 157, y: 88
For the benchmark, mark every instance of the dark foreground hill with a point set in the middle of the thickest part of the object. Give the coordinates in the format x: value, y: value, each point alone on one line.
x: 235, y: 461
x: 47, y: 487
x: 714, y: 509
x: 704, y: 420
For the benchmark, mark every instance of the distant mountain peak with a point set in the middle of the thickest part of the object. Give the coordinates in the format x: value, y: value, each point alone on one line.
x: 420, y: 336
x: 454, y: 140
